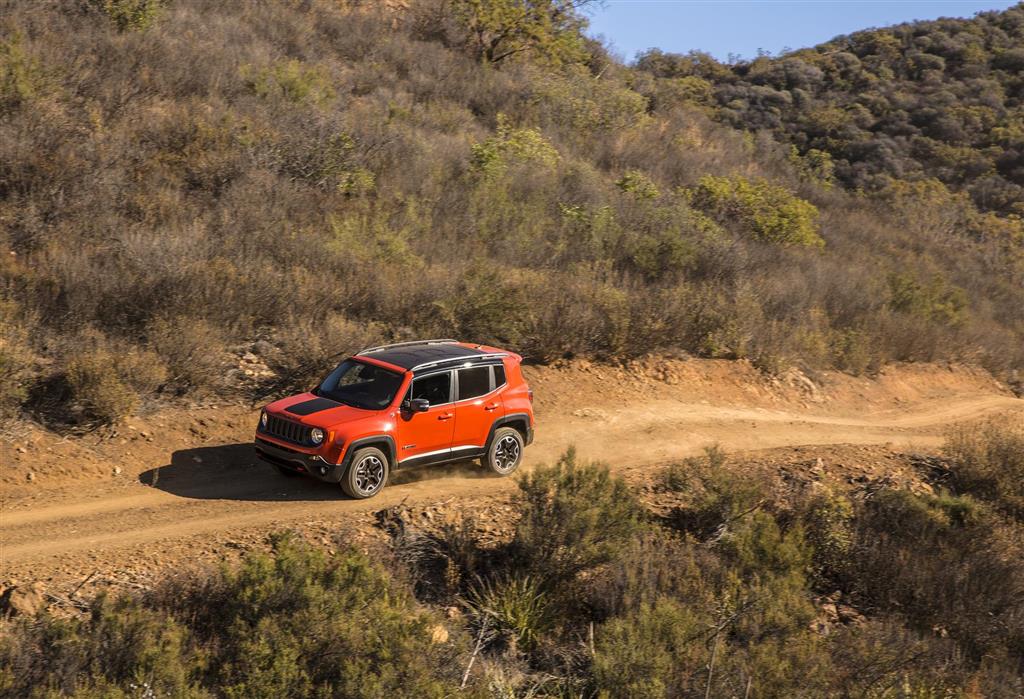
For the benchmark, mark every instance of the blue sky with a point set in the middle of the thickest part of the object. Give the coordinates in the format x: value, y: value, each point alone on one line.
x: 721, y: 27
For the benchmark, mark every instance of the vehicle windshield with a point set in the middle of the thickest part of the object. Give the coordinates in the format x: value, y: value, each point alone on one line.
x: 360, y: 385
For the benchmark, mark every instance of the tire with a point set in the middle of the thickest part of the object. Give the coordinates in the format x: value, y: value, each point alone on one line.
x: 366, y: 474
x: 505, y: 452
x: 285, y: 471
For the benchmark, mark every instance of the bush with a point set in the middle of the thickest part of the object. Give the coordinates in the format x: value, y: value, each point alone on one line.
x: 106, y: 378
x: 21, y: 76
x: 291, y: 623
x: 128, y: 15
x: 941, y: 562
x: 988, y: 462
x: 934, y: 300
x: 510, y: 146
x: 96, y: 384
x: 574, y: 517
x: 16, y: 359
x: 768, y: 212
x: 716, y: 492
x: 659, y: 651
x: 512, y: 610
x: 291, y: 80
x: 829, y: 526
x: 193, y: 351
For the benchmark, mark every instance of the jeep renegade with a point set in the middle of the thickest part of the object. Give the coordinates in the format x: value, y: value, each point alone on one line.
x: 399, y: 405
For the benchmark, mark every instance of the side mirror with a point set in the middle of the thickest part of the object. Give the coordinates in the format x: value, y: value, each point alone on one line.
x: 419, y: 405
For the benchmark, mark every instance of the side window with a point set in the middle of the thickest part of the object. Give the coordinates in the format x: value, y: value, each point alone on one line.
x: 499, y: 376
x: 437, y: 388
x: 474, y: 382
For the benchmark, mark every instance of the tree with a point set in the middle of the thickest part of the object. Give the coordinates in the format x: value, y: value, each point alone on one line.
x: 499, y: 29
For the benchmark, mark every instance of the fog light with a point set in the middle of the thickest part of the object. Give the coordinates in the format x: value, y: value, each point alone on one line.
x: 323, y: 470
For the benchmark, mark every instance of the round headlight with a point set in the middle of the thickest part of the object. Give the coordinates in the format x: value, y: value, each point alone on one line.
x: 317, y: 435
x: 263, y: 419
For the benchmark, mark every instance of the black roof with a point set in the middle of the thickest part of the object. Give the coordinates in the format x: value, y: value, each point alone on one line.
x: 412, y: 356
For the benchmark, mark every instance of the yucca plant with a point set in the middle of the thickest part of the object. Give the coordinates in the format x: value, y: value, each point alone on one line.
x: 511, y: 609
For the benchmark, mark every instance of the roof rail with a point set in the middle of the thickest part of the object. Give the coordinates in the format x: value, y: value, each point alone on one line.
x: 456, y: 360
x: 378, y: 348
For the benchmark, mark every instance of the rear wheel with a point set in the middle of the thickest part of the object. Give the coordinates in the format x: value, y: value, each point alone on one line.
x: 367, y: 473
x: 505, y: 452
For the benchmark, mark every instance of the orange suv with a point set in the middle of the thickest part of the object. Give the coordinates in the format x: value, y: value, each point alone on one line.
x: 406, y: 404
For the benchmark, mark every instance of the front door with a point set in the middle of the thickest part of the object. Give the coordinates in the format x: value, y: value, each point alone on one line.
x: 425, y: 437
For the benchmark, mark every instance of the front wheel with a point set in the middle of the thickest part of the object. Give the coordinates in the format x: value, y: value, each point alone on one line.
x: 505, y: 452
x: 367, y: 473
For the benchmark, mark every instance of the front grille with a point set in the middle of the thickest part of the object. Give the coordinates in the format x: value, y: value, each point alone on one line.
x: 287, y: 430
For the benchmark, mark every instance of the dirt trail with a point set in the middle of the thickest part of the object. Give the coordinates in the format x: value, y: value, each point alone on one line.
x: 182, y: 485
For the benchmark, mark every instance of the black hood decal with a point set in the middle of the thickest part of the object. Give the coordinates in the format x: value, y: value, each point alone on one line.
x: 312, y: 406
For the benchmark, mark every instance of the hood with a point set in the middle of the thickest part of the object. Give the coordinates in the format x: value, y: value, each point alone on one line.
x: 314, y: 411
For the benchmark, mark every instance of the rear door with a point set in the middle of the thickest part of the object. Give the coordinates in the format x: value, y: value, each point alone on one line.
x: 428, y: 436
x: 478, y: 404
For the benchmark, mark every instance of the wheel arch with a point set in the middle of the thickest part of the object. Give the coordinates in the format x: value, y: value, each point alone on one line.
x: 519, y: 421
x: 384, y: 442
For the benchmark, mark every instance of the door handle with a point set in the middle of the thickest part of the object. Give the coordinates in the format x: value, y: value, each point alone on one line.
x: 491, y: 407
x: 445, y: 416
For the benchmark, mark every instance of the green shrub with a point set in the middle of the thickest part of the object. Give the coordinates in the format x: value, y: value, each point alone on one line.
x: 121, y: 649
x: 829, y: 526
x: 988, y: 462
x: 686, y: 474
x: 513, y: 145
x: 637, y: 184
x: 658, y: 651
x: 656, y: 563
x: 21, y: 76
x: 131, y: 15
x: 717, y: 492
x: 574, y: 517
x: 294, y: 622
x: 814, y: 166
x: 514, y: 609
x: 766, y: 211
x: 291, y: 80
x: 580, y: 104
x: 935, y: 300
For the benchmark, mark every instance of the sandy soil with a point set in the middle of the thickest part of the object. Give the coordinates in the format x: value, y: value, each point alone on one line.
x: 180, y: 487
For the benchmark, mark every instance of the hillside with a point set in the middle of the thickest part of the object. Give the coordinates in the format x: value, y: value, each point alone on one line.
x: 187, y: 184
x: 940, y: 100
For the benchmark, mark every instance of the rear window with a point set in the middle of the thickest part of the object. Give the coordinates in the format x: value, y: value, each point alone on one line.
x: 474, y: 382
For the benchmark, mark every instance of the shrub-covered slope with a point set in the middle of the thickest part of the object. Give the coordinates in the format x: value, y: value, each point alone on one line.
x: 942, y: 99
x: 180, y: 180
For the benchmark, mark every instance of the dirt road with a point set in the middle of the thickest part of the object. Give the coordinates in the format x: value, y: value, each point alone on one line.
x: 182, y: 486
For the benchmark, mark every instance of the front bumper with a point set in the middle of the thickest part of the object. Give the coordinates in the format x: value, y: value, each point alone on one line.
x: 301, y: 462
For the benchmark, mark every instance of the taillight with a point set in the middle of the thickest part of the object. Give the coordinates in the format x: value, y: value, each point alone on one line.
x: 529, y: 392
